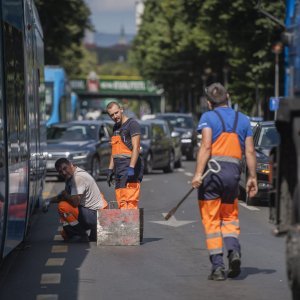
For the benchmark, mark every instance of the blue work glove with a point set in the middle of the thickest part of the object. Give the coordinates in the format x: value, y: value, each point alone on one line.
x: 110, y: 177
x: 130, y: 171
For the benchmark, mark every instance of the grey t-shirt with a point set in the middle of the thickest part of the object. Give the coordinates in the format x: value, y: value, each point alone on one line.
x: 82, y: 183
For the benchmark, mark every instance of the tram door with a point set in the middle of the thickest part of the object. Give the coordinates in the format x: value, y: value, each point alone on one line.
x: 15, y: 201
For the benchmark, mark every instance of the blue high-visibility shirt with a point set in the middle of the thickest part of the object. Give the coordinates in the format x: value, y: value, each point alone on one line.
x: 210, y: 120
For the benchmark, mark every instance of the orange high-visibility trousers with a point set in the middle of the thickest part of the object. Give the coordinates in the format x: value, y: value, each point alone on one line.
x: 220, y: 220
x: 128, y: 197
x: 68, y: 213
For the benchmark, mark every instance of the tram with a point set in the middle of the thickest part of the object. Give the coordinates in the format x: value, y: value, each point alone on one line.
x: 58, y: 95
x: 22, y: 120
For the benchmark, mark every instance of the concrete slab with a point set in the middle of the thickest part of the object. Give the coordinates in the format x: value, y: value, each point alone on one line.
x: 120, y: 227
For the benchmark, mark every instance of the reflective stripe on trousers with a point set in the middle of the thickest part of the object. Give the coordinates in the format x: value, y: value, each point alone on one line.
x: 219, y: 220
x: 68, y: 213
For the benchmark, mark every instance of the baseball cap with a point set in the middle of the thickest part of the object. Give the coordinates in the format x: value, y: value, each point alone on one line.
x: 216, y: 93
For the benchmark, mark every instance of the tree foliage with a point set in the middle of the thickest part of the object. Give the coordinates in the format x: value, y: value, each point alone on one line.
x: 186, y: 44
x: 64, y: 23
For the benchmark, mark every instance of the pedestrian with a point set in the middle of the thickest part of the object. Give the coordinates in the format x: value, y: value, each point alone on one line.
x: 226, y: 135
x: 78, y: 203
x: 126, y: 165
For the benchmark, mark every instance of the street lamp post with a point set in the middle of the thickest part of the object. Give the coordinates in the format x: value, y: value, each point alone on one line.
x: 277, y: 49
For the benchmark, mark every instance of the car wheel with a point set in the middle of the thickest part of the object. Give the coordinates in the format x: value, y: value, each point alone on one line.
x: 148, y: 164
x: 171, y: 164
x: 95, y: 168
x: 178, y: 163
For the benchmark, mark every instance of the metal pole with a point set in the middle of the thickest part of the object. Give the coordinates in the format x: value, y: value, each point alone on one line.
x: 276, y: 80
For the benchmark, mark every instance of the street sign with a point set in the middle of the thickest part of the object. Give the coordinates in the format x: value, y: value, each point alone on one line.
x: 274, y: 103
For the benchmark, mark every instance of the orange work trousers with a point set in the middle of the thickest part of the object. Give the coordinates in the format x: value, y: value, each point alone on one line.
x: 128, y: 197
x: 220, y: 220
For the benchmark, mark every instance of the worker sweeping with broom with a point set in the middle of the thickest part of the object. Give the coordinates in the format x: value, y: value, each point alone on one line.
x: 226, y: 135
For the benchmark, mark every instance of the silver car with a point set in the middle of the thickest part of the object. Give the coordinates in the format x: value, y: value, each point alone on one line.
x: 85, y: 143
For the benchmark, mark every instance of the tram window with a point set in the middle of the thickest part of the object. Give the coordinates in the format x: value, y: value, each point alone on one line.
x: 48, y: 99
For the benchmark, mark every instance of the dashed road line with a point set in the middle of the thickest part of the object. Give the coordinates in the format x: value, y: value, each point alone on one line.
x: 59, y: 249
x: 189, y: 174
x: 145, y: 179
x: 53, y: 262
x: 58, y: 237
x: 50, y: 278
x: 47, y: 297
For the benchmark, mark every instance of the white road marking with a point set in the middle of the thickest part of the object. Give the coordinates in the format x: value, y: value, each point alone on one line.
x: 173, y: 222
x: 47, y: 297
x: 58, y: 237
x: 189, y: 174
x: 59, y: 249
x: 248, y: 207
x: 50, y: 278
x: 145, y: 179
x: 51, y: 262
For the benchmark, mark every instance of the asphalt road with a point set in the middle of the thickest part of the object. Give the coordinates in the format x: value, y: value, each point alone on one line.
x: 172, y: 263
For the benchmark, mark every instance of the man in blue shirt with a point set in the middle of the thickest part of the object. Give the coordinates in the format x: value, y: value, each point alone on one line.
x: 226, y: 135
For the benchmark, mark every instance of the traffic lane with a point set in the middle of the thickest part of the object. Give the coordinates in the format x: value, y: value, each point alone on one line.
x: 172, y: 263
x: 263, y: 254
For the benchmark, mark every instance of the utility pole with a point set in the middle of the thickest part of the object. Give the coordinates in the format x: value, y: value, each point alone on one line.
x: 277, y: 49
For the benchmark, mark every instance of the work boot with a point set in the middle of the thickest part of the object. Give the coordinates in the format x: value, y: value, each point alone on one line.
x: 64, y: 235
x: 218, y: 274
x: 234, y: 267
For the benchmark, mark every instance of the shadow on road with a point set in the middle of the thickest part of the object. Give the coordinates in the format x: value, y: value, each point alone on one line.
x: 246, y: 271
x: 149, y: 240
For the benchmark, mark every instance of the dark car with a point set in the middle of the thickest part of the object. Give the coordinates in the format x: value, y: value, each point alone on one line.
x: 157, y: 146
x: 85, y: 143
x: 184, y: 124
x: 265, y: 138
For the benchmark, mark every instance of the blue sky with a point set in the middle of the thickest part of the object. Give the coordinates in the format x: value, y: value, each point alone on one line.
x: 109, y: 15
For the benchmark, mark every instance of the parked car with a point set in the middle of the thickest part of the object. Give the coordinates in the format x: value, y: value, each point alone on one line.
x: 157, y: 147
x: 184, y: 124
x: 265, y: 138
x: 85, y: 143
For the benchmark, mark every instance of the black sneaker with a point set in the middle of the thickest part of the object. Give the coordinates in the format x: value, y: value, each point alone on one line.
x: 234, y: 268
x: 218, y: 274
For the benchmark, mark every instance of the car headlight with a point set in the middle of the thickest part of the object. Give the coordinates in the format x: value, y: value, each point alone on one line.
x: 186, y: 135
x: 79, y: 155
x: 141, y: 150
x: 263, y: 168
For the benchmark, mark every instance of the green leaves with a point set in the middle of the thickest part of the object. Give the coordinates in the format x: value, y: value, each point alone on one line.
x: 180, y: 39
x: 64, y: 23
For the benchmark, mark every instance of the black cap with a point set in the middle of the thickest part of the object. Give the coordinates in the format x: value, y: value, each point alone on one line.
x: 216, y: 93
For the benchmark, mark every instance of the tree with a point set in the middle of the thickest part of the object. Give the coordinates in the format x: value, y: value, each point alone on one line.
x: 64, y: 23
x: 186, y: 44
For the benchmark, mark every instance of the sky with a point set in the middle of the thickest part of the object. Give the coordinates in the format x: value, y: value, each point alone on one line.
x: 108, y: 16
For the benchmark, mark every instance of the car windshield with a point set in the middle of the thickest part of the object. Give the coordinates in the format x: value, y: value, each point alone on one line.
x: 268, y: 138
x: 179, y: 121
x: 144, y: 132
x: 72, y: 133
